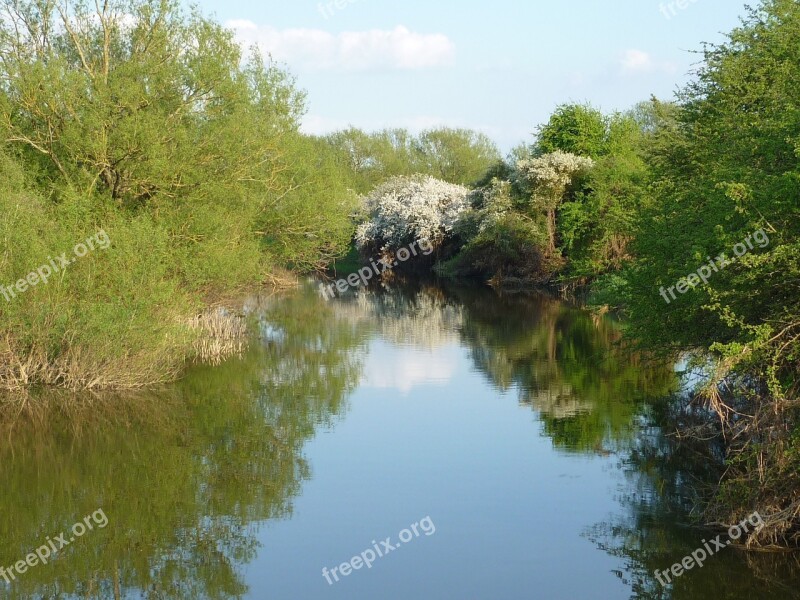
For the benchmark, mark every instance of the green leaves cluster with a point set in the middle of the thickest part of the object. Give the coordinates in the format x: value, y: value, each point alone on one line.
x: 151, y: 122
x: 723, y: 165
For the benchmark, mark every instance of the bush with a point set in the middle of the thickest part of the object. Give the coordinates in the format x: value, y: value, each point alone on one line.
x: 111, y: 319
x: 408, y: 209
x: 511, y: 249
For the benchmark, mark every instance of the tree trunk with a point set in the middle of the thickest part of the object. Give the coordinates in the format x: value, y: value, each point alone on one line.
x: 551, y: 230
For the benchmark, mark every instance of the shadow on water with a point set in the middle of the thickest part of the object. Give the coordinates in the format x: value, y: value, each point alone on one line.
x: 188, y: 474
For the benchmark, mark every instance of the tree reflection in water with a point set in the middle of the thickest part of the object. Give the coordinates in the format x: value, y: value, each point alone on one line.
x: 189, y: 473
x: 185, y: 474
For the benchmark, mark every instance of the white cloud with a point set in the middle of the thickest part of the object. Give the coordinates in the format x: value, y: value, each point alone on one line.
x: 635, y: 61
x: 376, y: 49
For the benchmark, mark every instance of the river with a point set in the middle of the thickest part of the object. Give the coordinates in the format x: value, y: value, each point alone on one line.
x: 447, y: 443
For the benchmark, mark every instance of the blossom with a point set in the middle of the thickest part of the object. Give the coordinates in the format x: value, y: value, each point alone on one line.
x: 490, y: 204
x: 552, y: 174
x: 407, y: 209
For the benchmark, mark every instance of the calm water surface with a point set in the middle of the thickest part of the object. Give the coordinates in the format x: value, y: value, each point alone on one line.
x: 514, y: 428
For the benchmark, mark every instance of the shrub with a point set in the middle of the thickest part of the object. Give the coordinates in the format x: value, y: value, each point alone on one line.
x: 511, y: 248
x: 408, y: 209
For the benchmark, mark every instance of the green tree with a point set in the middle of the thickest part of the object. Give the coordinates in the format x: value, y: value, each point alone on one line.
x: 150, y: 122
x: 459, y: 156
x: 597, y: 227
x: 551, y: 178
x: 573, y: 128
x: 137, y: 100
x: 726, y: 168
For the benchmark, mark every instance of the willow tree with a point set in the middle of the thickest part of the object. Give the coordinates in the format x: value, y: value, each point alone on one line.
x: 137, y: 99
x: 145, y: 105
x: 151, y: 122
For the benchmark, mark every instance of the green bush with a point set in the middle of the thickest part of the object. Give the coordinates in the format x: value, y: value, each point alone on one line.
x: 512, y: 248
x: 113, y: 318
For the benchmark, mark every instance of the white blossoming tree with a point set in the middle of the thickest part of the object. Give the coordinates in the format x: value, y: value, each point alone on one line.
x: 407, y: 209
x: 550, y: 177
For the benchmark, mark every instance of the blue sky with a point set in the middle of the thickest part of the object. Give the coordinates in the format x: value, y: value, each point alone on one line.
x: 500, y: 67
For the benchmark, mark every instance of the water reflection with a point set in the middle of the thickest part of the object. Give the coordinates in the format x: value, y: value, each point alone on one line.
x: 185, y: 475
x: 658, y: 491
x: 565, y: 363
x: 189, y: 475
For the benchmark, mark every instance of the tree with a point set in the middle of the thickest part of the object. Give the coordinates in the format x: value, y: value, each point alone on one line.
x: 725, y: 171
x: 369, y: 158
x: 135, y: 99
x: 575, y: 129
x: 408, y: 209
x: 459, y: 156
x: 148, y: 121
x: 309, y: 225
x: 551, y: 176
x: 597, y: 227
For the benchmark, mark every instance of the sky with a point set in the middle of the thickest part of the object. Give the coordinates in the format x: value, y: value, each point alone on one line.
x: 499, y: 66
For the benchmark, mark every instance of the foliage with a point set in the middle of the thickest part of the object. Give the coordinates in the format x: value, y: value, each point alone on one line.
x: 508, y: 247
x: 455, y: 155
x: 371, y: 159
x: 137, y: 100
x: 596, y: 228
x: 458, y: 156
x: 726, y: 167
x: 309, y: 224
x: 551, y: 177
x: 147, y: 121
x: 575, y: 129
x: 112, y: 319
x: 487, y: 205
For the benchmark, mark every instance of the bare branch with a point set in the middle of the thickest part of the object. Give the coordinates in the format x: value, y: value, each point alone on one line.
x: 65, y: 20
